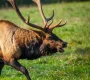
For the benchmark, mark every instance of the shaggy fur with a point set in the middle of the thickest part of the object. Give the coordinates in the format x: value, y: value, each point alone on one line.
x: 17, y: 43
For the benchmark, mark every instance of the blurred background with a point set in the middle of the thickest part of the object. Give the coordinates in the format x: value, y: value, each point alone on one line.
x: 3, y: 3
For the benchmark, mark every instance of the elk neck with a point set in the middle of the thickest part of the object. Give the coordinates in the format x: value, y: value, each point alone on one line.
x: 29, y: 42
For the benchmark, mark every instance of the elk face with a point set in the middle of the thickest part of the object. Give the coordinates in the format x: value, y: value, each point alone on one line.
x: 55, y: 43
x: 52, y: 44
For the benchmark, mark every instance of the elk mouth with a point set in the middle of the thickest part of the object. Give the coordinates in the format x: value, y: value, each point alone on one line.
x: 60, y: 50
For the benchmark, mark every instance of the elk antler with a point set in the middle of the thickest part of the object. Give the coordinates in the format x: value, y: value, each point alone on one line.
x: 45, y: 20
x: 58, y: 25
x: 13, y: 3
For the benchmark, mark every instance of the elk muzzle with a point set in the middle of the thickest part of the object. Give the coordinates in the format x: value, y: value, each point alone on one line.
x: 60, y: 48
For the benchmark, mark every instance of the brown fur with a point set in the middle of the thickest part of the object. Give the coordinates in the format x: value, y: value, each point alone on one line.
x: 12, y: 38
x: 18, y: 43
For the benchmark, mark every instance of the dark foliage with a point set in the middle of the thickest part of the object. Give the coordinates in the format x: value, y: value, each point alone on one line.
x: 4, y: 3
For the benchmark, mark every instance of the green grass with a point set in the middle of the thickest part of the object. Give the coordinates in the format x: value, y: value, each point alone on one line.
x: 74, y: 63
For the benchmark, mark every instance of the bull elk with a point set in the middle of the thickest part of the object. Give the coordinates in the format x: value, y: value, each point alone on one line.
x: 18, y: 43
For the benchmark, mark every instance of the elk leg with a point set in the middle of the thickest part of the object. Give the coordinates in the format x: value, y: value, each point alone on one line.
x: 1, y: 66
x: 15, y: 64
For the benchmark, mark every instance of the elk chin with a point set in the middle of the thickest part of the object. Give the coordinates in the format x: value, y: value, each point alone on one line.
x: 60, y: 50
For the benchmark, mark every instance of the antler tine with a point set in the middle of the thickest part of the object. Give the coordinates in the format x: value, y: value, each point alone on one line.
x: 45, y: 20
x: 13, y: 3
x: 58, y: 25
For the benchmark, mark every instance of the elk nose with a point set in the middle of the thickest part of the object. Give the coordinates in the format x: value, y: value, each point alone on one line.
x: 65, y: 44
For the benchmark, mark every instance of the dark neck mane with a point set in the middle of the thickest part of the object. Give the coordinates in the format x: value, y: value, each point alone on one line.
x: 29, y: 42
x: 31, y: 51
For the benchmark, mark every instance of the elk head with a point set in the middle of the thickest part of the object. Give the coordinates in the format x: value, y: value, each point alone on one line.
x: 50, y: 42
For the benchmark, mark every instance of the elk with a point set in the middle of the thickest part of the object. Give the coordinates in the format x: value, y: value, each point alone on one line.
x: 18, y: 43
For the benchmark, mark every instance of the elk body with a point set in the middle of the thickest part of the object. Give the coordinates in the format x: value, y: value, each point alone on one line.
x: 18, y: 43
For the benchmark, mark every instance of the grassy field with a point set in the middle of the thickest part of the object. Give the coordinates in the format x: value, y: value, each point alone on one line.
x: 74, y: 63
